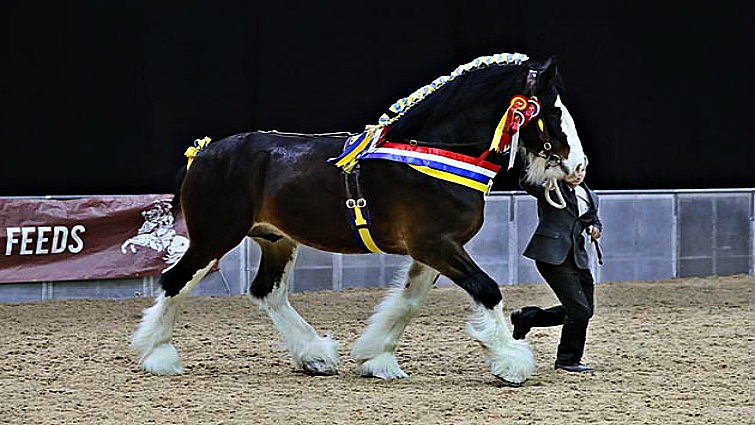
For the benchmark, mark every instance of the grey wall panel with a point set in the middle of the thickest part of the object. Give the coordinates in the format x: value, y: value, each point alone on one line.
x: 528, y: 272
x: 638, y: 237
x: 695, y: 228
x: 730, y: 265
x: 312, y: 279
x: 372, y: 269
x: 490, y: 247
x: 232, y: 276
x: 752, y: 232
x: 111, y: 288
x: 654, y: 232
x: 376, y: 275
x: 307, y: 257
x: 525, y: 215
x: 215, y: 283
x: 731, y: 213
x: 313, y: 270
x: 715, y: 233
x: 689, y: 267
x: 21, y: 292
x: 732, y: 245
x: 628, y: 268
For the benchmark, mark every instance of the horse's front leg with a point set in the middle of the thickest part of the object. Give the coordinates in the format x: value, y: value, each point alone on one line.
x: 374, y: 350
x: 510, y: 360
x: 311, y: 353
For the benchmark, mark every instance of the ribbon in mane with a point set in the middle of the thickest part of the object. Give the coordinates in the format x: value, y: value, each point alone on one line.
x: 192, y: 151
x: 356, y: 146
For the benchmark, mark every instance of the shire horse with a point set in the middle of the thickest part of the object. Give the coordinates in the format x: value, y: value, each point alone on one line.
x: 424, y: 198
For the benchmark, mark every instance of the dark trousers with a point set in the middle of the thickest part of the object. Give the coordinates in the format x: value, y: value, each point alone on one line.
x: 575, y: 289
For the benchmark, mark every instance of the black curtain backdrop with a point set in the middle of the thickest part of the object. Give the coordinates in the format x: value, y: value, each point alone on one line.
x: 103, y: 98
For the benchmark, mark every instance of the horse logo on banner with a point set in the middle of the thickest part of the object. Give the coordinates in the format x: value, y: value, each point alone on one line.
x: 158, y: 234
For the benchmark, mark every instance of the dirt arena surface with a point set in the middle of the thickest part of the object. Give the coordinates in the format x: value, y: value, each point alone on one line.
x: 666, y: 352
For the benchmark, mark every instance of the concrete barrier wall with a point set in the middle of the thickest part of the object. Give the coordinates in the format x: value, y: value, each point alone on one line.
x: 648, y: 235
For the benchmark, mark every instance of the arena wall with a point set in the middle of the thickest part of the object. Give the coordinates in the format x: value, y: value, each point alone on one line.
x: 648, y: 235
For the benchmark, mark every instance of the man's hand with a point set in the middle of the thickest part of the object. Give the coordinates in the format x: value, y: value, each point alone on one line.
x: 594, y: 232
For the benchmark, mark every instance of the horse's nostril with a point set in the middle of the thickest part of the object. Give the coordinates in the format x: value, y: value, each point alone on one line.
x: 554, y: 160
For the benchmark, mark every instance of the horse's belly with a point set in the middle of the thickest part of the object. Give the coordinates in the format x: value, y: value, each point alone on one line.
x: 314, y: 218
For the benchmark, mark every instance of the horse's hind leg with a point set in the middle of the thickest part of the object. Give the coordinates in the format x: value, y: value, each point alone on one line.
x: 152, y: 339
x: 311, y: 353
x: 374, y: 350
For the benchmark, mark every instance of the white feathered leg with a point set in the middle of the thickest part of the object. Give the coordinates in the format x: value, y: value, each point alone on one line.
x: 510, y: 360
x: 152, y: 339
x: 309, y: 351
x: 374, y: 350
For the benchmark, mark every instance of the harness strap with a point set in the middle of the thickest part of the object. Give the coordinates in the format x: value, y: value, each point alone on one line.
x: 358, y: 213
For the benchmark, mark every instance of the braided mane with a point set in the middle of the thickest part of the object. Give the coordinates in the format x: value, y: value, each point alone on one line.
x: 453, y: 109
x: 403, y: 105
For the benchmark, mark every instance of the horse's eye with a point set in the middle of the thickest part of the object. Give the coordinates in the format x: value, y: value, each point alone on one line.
x: 555, y: 113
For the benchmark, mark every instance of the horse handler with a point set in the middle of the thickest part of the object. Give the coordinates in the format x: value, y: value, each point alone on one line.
x: 558, y: 248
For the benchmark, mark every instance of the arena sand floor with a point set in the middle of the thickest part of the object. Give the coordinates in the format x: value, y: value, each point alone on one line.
x: 666, y: 352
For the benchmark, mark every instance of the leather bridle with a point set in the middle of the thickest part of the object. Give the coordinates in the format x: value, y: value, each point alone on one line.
x: 552, y: 159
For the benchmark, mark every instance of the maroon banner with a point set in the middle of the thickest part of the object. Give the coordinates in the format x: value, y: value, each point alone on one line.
x: 88, y: 238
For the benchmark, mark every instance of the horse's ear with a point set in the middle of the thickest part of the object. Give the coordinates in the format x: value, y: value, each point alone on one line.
x: 550, y: 69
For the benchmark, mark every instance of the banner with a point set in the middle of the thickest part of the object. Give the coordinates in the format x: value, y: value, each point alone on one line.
x: 88, y: 238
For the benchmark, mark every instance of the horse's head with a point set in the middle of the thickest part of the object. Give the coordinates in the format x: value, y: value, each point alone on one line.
x: 508, y: 98
x: 549, y: 142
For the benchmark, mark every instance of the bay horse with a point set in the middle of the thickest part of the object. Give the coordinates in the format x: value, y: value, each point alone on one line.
x: 420, y: 178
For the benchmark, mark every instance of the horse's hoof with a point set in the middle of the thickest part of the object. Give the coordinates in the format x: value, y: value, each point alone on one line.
x: 383, y: 366
x: 319, y: 369
x: 511, y: 384
x: 163, y: 360
x: 395, y: 374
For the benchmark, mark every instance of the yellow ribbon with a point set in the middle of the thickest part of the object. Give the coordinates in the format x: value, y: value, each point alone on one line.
x: 364, y: 232
x: 443, y: 175
x: 349, y: 161
x: 192, y: 151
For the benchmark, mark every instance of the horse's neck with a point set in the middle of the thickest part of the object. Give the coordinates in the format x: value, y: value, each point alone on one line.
x: 469, y: 131
x: 450, y: 137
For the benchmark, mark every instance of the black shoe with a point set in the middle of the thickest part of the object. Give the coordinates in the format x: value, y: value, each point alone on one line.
x: 575, y: 367
x: 520, y: 328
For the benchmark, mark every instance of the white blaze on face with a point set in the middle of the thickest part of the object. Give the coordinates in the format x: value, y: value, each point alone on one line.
x: 576, y: 153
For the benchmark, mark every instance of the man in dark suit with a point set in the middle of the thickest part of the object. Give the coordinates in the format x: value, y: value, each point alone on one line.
x: 558, y: 248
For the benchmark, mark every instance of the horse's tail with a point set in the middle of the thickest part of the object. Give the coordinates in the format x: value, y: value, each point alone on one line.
x: 178, y: 181
x: 190, y: 153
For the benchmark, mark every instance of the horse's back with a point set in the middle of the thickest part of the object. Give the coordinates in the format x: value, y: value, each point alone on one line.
x: 278, y: 180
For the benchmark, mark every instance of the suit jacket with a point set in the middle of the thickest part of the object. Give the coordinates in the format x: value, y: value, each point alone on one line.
x: 559, y: 232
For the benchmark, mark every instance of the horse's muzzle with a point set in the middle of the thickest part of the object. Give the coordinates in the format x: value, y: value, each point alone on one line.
x: 555, y: 161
